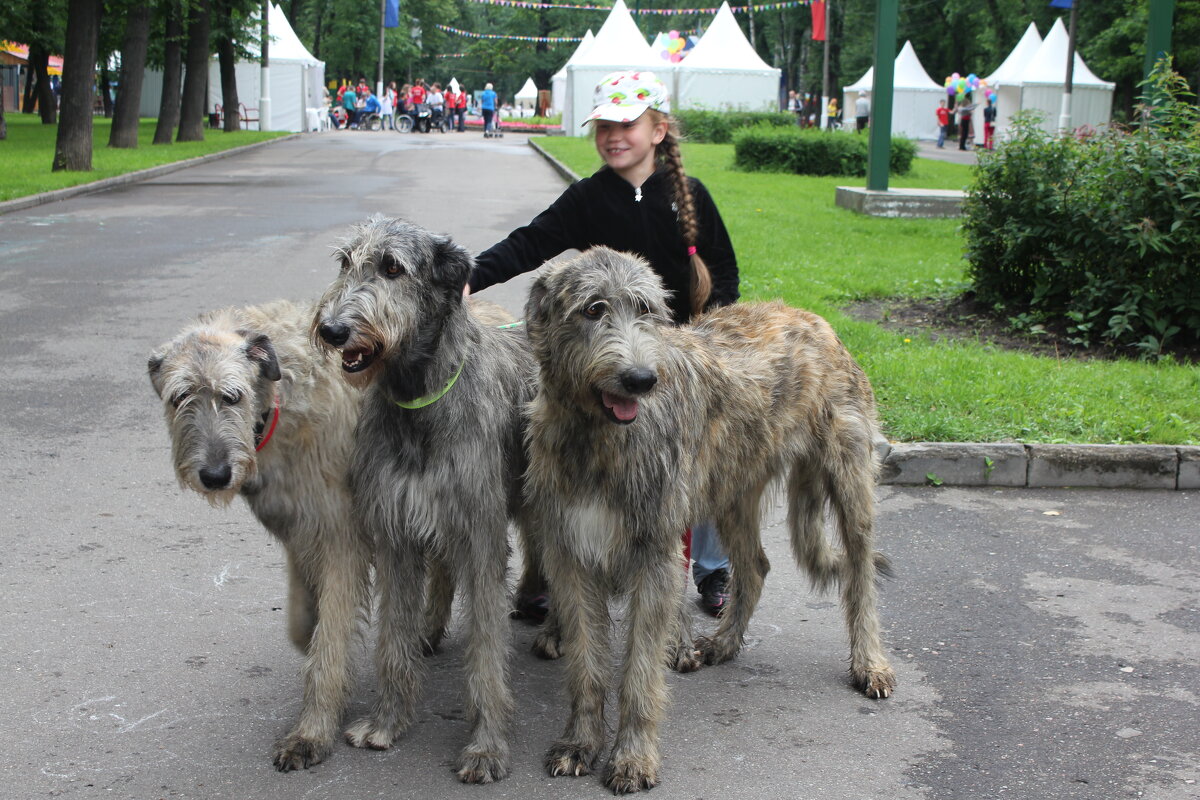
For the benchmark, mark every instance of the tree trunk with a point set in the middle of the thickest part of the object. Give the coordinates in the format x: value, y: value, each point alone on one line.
x: 168, y: 107
x: 73, y: 147
x: 229, y: 93
x: 195, y: 80
x: 39, y: 62
x: 27, y: 102
x: 3, y: 121
x: 133, y: 69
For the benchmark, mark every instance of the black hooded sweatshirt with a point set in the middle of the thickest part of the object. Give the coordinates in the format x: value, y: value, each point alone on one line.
x: 606, y: 210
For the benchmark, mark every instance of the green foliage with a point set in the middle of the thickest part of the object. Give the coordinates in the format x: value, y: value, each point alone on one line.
x: 718, y: 127
x: 813, y: 152
x: 1100, y: 234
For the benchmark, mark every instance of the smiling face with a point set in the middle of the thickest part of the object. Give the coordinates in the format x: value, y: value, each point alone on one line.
x: 628, y: 147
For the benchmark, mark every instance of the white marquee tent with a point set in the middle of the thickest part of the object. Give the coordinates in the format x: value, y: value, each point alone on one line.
x: 1040, y: 83
x: 296, y: 79
x: 558, y: 81
x: 1009, y: 74
x: 526, y: 96
x: 914, y: 97
x: 618, y: 45
x: 723, y: 72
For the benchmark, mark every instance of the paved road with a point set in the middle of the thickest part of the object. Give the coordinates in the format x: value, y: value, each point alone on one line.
x: 1046, y: 642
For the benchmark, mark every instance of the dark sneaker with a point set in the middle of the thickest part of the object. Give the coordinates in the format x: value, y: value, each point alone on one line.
x: 531, y: 609
x: 713, y: 594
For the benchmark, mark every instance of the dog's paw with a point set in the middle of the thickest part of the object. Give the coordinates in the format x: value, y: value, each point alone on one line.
x: 548, y: 645
x: 369, y: 734
x: 298, y: 752
x: 876, y: 682
x: 573, y: 760
x: 684, y: 658
x: 627, y: 773
x: 715, y: 650
x: 481, y: 767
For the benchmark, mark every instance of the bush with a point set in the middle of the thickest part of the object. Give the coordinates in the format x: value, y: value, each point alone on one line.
x: 813, y: 152
x: 1099, y: 234
x: 717, y: 127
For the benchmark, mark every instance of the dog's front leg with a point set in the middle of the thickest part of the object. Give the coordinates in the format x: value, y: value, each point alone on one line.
x: 342, y: 594
x: 653, y: 605
x: 400, y: 571
x: 581, y: 606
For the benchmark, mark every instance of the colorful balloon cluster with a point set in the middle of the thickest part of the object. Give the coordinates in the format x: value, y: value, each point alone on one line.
x: 957, y: 86
x: 676, y: 42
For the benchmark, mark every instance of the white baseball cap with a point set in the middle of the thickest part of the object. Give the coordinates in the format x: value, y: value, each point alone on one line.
x: 625, y: 96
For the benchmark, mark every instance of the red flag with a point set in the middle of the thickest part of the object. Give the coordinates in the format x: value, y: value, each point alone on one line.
x: 818, y: 20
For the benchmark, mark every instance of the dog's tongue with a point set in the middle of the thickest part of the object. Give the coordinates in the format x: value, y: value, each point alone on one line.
x: 623, y: 409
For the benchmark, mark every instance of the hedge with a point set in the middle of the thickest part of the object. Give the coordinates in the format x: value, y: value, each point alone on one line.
x: 717, y: 127
x: 813, y: 152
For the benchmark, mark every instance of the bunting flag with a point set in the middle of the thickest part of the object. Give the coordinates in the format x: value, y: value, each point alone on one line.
x: 818, y: 20
x: 664, y: 12
x: 544, y: 39
x: 391, y: 14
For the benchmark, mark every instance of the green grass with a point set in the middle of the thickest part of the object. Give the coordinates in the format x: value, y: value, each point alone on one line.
x: 793, y: 243
x: 28, y: 152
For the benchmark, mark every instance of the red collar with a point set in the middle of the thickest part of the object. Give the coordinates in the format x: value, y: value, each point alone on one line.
x: 274, y: 421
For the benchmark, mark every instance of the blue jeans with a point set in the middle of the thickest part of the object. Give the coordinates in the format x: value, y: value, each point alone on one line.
x: 707, y: 554
x: 942, y: 130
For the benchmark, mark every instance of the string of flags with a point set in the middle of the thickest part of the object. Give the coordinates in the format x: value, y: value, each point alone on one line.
x: 666, y: 12
x: 472, y: 35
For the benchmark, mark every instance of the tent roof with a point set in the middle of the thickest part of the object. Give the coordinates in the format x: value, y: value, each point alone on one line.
x: 285, y: 44
x: 1010, y: 71
x: 618, y: 44
x: 908, y: 74
x: 1049, y: 63
x: 584, y: 44
x: 724, y: 46
x: 528, y: 90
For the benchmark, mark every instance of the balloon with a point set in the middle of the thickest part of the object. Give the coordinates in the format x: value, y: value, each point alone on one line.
x: 950, y: 90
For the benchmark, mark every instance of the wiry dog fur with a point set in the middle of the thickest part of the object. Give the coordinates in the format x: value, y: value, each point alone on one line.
x: 640, y: 429
x: 437, y: 482
x: 221, y: 380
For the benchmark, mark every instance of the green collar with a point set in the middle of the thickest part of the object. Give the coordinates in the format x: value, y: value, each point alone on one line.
x: 430, y: 399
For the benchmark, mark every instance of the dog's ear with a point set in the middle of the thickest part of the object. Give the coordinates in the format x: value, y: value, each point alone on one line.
x: 537, y: 305
x: 260, y: 350
x: 154, y: 366
x: 452, y: 265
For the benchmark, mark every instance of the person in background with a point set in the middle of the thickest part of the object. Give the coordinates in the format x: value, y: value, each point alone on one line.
x: 831, y: 111
x: 989, y: 125
x: 793, y: 105
x: 943, y: 118
x: 450, y: 100
x: 402, y: 102
x: 487, y: 104
x: 418, y: 92
x: 437, y: 103
x: 350, y: 105
x: 461, y: 109
x: 387, y: 108
x: 964, y: 109
x: 862, y: 112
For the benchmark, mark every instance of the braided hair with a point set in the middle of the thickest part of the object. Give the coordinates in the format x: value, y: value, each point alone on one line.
x: 667, y: 153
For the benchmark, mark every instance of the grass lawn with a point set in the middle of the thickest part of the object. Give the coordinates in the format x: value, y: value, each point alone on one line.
x: 793, y: 243
x: 28, y: 152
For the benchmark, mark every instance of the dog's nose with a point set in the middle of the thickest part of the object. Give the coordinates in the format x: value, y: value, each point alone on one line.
x: 334, y: 332
x: 638, y: 380
x: 216, y: 477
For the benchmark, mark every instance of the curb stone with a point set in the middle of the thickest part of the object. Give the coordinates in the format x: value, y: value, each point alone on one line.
x: 1004, y: 464
x: 103, y: 184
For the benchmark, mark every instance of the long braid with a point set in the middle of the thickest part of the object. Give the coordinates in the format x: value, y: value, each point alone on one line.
x: 689, y: 225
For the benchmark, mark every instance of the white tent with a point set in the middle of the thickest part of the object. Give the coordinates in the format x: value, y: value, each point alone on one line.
x: 1009, y: 74
x: 1040, y: 86
x: 618, y: 45
x: 526, y: 96
x: 296, y: 80
x: 914, y: 96
x: 558, y: 81
x: 723, y: 71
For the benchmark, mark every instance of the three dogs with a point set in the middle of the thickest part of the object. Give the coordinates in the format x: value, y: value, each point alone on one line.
x: 602, y: 434
x: 640, y: 429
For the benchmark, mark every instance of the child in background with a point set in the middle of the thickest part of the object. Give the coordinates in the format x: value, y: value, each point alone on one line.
x: 643, y: 202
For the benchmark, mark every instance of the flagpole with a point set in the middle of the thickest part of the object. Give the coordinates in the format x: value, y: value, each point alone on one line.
x: 1064, y: 119
x: 264, y: 76
x: 382, y: 19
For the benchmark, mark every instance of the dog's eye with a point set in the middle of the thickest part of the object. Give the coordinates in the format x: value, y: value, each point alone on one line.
x: 643, y: 308
x: 179, y: 397
x: 390, y: 266
x: 232, y: 397
x: 594, y: 310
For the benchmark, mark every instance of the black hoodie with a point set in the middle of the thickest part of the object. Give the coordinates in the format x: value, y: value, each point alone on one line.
x: 606, y: 210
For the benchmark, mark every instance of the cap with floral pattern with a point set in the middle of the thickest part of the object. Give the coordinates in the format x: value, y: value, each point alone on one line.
x: 624, y: 96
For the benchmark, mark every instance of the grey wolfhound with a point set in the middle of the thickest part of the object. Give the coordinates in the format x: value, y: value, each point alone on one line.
x: 436, y: 465
x: 638, y: 430
x: 254, y: 409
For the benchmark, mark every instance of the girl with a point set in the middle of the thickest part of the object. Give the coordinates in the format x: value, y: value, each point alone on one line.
x: 643, y: 202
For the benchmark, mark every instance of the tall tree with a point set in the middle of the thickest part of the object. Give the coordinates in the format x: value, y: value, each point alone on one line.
x: 39, y: 61
x: 168, y: 113
x: 73, y: 147
x: 133, y: 69
x: 195, y: 80
x: 224, y: 29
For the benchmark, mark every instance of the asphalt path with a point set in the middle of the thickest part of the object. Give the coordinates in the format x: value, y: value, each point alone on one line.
x: 1047, y: 642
